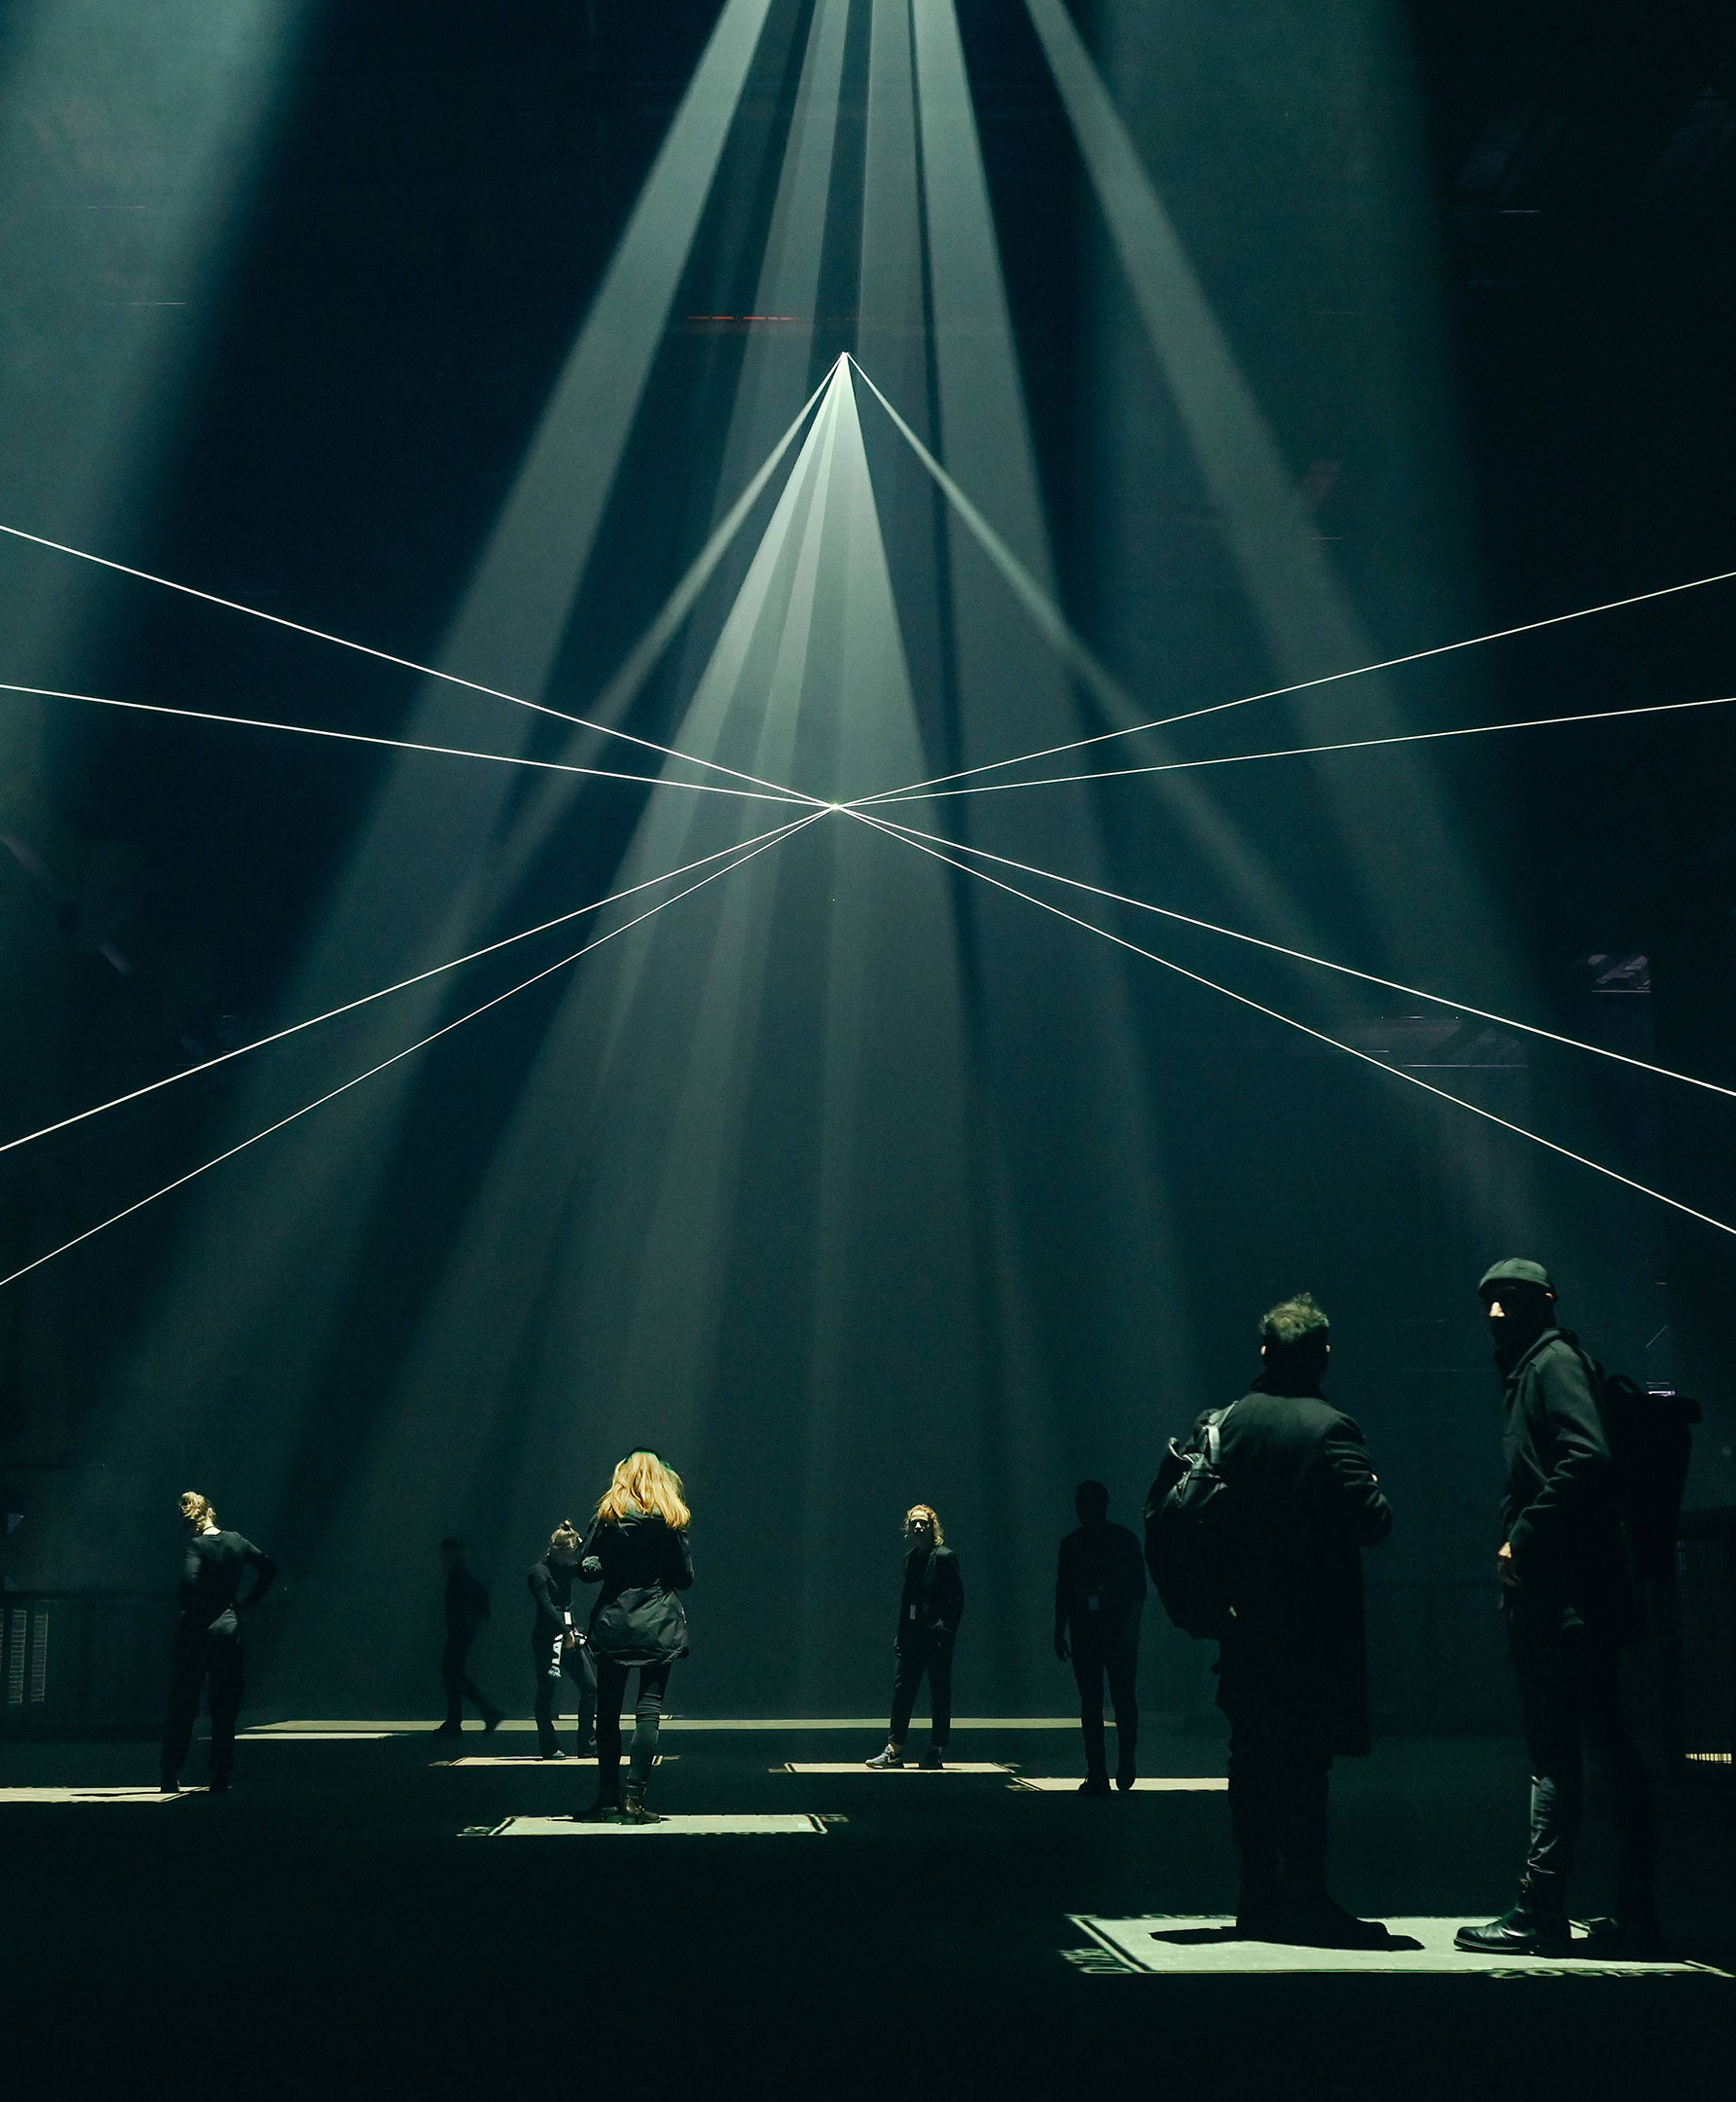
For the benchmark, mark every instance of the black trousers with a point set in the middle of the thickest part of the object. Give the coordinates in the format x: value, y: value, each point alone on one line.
x: 1278, y: 1800
x: 203, y: 1657
x: 1570, y: 1699
x: 574, y: 1664
x: 1119, y: 1666
x: 648, y: 1716
x: 460, y: 1687
x: 913, y: 1660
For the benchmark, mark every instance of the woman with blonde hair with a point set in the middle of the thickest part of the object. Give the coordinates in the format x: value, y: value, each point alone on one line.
x: 208, y: 1638
x: 637, y: 1549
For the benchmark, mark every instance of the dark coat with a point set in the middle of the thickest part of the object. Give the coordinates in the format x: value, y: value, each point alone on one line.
x: 641, y: 1563
x: 1560, y: 1511
x: 1306, y: 1505
x: 1099, y: 1589
x: 551, y: 1587
x: 932, y: 1603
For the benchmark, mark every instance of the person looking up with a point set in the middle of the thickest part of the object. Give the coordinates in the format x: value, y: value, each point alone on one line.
x: 557, y: 1645
x: 637, y: 1549
x: 1567, y: 1591
x: 208, y: 1638
x: 930, y: 1608
x: 1100, y: 1595
x: 466, y: 1608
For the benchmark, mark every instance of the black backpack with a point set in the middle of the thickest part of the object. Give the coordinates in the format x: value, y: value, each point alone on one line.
x: 1651, y: 1438
x: 1189, y: 1516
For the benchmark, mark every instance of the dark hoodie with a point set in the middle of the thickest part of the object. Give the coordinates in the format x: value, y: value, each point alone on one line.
x: 641, y: 1563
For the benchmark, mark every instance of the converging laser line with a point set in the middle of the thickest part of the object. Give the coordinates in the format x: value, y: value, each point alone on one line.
x: 421, y: 1043
x: 1288, y: 752
x: 1322, y: 963
x: 421, y: 977
x: 1054, y: 625
x: 406, y: 744
x: 1397, y: 1072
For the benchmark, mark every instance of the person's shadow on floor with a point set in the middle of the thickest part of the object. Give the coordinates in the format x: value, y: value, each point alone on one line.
x: 1214, y: 1937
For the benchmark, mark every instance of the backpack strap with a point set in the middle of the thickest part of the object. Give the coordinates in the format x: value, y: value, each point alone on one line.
x: 1213, y: 1424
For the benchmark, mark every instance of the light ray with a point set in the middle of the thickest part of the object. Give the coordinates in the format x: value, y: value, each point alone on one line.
x: 408, y: 744
x: 367, y: 999
x: 1302, y: 956
x: 1288, y: 752
x: 1275, y: 1014
x: 421, y: 1043
x: 367, y: 649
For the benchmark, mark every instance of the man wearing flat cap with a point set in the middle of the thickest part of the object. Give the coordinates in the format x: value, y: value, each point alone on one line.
x: 1568, y: 1591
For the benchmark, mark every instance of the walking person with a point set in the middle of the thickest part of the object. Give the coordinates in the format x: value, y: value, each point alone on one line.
x: 1568, y: 1592
x: 208, y: 1639
x: 466, y: 1608
x: 637, y: 1549
x: 930, y: 1608
x: 558, y: 1649
x: 1302, y: 1503
x: 1100, y: 1595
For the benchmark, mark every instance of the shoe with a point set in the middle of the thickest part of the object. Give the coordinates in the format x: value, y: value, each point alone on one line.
x: 169, y: 1787
x: 1319, y: 1921
x: 1124, y: 1779
x: 603, y: 1811
x: 887, y: 1761
x: 931, y: 1761
x: 1259, y: 1917
x: 554, y: 1752
x: 633, y: 1810
x: 450, y: 1729
x: 491, y: 1723
x: 219, y: 1784
x: 587, y: 1749
x: 1519, y: 1931
x: 1635, y: 1938
x: 1097, y: 1785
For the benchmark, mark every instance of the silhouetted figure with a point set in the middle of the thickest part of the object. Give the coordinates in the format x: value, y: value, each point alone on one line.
x: 637, y: 1549
x: 1568, y: 1591
x: 1292, y: 1673
x: 208, y: 1639
x: 1100, y: 1593
x: 466, y: 1608
x: 558, y: 1648
x: 930, y: 1608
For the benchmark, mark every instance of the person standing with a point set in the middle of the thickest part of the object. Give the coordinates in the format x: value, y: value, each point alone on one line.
x: 1568, y: 1592
x: 929, y: 1609
x: 1100, y: 1595
x: 208, y: 1639
x: 1293, y: 1671
x: 557, y: 1647
x: 466, y: 1608
x: 637, y: 1549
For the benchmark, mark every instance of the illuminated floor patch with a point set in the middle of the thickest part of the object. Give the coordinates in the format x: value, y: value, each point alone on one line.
x: 535, y: 1759
x: 861, y: 1767
x: 1166, y: 1945
x: 1155, y: 1784
x: 721, y: 1825
x: 93, y: 1794
x: 315, y: 1736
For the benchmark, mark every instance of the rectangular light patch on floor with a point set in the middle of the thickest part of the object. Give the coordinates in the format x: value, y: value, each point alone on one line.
x: 721, y: 1825
x: 1170, y: 1946
x: 524, y: 1759
x: 93, y: 1795
x: 1153, y: 1785
x: 862, y: 1766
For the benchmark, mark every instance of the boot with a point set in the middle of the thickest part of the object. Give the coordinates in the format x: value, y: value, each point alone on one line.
x: 1537, y: 1925
x: 605, y: 1811
x: 633, y: 1810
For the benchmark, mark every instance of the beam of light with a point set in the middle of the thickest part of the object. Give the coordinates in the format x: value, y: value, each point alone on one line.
x: 421, y: 1043
x: 1287, y: 751
x: 367, y: 999
x: 1290, y: 1021
x: 366, y: 649
x: 1302, y: 956
x: 407, y: 744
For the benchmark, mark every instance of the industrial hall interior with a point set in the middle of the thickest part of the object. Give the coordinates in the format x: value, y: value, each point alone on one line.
x: 868, y: 975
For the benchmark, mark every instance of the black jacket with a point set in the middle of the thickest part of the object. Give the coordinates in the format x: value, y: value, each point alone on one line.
x: 932, y: 1603
x: 211, y: 1572
x: 1560, y: 1511
x: 641, y: 1563
x: 551, y: 1587
x: 1306, y: 1505
x: 467, y: 1602
x: 1100, y: 1588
